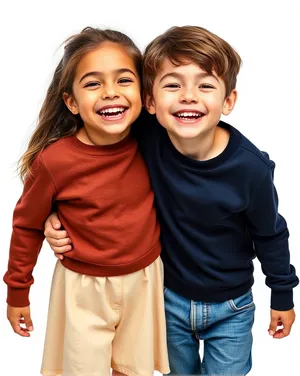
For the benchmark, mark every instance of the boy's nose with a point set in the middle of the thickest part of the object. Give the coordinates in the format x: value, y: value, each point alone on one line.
x: 189, y: 96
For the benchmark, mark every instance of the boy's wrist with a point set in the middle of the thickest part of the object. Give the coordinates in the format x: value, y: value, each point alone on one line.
x: 282, y: 300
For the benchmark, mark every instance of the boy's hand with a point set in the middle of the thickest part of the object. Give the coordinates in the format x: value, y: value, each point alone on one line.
x: 18, y: 316
x: 57, y: 239
x: 281, y: 318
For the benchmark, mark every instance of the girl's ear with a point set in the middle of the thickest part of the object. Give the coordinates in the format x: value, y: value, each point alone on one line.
x: 150, y: 105
x: 70, y: 103
x: 229, y: 102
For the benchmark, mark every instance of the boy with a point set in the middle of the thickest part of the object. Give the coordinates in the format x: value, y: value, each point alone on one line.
x: 217, y: 205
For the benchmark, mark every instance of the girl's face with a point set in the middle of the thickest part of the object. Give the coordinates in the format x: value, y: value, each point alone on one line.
x: 106, y: 94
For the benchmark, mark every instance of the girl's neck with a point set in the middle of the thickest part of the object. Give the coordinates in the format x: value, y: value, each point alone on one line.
x: 93, y: 138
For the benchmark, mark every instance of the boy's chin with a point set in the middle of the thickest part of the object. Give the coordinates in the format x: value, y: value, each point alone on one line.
x: 186, y: 134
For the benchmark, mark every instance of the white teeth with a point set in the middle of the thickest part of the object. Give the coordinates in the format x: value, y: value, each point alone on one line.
x: 188, y: 114
x: 112, y: 110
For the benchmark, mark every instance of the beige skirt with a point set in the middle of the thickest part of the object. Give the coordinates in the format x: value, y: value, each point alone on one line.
x: 98, y: 323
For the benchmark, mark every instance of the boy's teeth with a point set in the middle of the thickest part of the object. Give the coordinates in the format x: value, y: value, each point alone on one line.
x: 188, y: 114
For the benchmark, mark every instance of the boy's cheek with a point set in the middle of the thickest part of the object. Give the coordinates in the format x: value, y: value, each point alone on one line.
x: 150, y: 105
x: 161, y: 117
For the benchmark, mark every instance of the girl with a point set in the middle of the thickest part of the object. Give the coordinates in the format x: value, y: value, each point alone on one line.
x: 106, y: 304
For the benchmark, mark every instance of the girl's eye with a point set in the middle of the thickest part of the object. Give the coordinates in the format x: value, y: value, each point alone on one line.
x: 92, y: 84
x: 125, y: 81
x: 172, y: 86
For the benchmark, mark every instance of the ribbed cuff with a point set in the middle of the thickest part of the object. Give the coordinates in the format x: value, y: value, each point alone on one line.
x: 18, y: 297
x: 282, y: 300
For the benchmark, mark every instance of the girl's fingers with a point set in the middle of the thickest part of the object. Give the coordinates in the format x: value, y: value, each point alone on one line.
x: 23, y: 332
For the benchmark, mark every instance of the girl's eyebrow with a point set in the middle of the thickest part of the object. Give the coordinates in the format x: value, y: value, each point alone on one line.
x: 182, y: 76
x: 117, y: 71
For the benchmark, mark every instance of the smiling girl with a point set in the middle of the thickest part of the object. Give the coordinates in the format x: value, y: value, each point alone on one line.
x: 106, y: 305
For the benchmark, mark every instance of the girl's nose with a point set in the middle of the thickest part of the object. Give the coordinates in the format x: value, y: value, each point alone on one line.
x: 110, y: 92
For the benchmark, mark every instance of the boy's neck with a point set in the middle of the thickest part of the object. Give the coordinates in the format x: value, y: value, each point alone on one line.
x: 204, y: 147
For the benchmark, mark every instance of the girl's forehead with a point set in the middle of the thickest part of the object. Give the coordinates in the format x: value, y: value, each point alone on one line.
x: 106, y: 57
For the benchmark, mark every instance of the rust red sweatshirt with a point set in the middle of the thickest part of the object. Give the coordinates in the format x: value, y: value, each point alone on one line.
x: 105, y: 202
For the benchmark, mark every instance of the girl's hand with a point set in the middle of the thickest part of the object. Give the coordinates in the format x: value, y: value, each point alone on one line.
x: 57, y: 239
x: 18, y: 316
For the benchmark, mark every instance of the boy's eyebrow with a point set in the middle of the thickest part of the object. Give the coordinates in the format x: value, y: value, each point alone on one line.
x: 117, y: 71
x: 181, y: 76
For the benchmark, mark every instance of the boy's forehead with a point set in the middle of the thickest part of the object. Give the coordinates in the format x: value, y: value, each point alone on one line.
x: 168, y: 64
x: 185, y: 66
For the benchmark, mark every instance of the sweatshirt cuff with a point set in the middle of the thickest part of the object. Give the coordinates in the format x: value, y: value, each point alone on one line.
x: 18, y: 297
x: 282, y: 300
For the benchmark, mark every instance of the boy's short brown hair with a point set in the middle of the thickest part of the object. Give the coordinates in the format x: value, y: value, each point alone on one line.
x: 186, y: 44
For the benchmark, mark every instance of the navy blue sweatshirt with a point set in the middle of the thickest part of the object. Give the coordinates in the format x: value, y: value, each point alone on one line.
x: 216, y: 216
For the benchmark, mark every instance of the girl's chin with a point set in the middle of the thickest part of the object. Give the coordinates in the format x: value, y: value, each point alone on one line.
x: 115, y: 129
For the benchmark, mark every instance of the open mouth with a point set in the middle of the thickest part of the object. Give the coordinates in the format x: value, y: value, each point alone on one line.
x: 188, y: 115
x: 112, y: 112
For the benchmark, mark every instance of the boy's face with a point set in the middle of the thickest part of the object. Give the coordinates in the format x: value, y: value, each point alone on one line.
x: 188, y: 101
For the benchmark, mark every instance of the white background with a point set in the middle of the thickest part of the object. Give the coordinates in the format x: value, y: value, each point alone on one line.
x: 267, y: 36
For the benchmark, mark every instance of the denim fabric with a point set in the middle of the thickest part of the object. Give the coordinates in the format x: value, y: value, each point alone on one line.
x: 224, y: 327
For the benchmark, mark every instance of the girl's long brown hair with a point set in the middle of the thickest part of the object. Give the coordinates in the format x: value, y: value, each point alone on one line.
x: 55, y: 121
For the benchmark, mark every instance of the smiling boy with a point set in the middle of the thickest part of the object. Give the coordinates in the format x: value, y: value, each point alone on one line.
x: 217, y: 206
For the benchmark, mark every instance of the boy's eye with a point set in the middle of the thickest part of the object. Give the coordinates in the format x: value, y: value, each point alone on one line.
x: 125, y: 81
x: 206, y: 86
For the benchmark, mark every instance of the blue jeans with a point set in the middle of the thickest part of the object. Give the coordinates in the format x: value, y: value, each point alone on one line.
x: 224, y: 327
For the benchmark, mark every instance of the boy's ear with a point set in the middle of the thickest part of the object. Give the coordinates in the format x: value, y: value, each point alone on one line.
x: 70, y: 103
x: 229, y: 102
x: 150, y: 105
